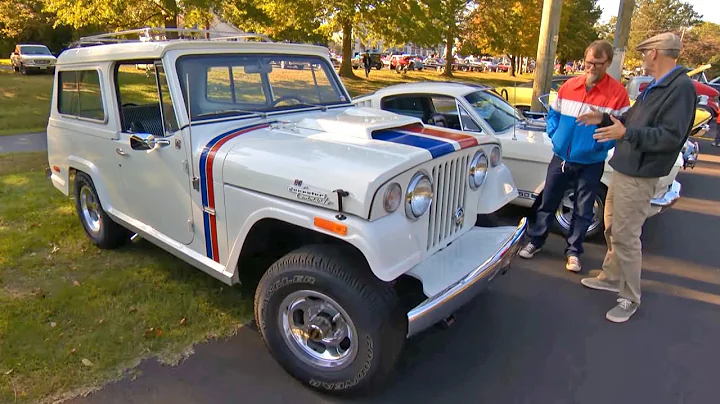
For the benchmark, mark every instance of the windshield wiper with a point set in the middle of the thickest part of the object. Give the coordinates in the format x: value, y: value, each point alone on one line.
x: 230, y: 111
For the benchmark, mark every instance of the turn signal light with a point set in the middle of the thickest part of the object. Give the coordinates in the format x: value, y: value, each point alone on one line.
x: 331, y: 226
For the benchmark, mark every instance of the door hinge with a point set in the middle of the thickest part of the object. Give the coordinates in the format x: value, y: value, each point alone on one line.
x: 191, y: 226
x: 196, y: 183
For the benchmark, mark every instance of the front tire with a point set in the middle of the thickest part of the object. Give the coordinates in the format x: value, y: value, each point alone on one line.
x: 328, y: 321
x: 563, y: 215
x: 99, y: 227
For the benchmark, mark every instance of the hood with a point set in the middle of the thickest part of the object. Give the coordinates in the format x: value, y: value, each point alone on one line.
x: 308, y: 158
x: 39, y: 57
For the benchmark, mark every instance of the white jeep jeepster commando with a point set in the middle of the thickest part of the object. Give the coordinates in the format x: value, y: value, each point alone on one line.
x: 359, y: 222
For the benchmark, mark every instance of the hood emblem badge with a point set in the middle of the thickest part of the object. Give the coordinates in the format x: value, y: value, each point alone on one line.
x: 459, y: 216
x: 307, y: 193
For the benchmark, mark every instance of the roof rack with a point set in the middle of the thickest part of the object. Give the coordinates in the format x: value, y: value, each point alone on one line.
x: 150, y: 34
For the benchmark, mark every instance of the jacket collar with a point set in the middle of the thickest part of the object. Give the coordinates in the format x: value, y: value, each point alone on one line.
x: 670, y: 76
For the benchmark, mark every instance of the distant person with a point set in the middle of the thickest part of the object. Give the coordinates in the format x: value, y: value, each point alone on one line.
x: 577, y: 158
x: 649, y: 138
x: 716, y: 142
x: 366, y: 63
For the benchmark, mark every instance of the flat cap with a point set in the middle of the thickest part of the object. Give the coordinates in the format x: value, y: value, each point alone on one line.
x: 666, y: 40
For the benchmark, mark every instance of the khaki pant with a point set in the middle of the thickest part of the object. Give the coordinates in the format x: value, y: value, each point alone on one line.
x: 626, y: 208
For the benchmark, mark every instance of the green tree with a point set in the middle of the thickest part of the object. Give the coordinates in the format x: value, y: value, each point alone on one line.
x: 607, y: 31
x: 652, y: 17
x: 577, y: 29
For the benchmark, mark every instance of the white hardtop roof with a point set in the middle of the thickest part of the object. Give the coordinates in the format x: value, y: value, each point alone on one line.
x: 108, y: 47
x: 455, y: 89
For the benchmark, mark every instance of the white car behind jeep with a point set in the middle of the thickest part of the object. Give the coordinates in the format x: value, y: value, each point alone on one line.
x: 361, y: 222
x: 27, y: 58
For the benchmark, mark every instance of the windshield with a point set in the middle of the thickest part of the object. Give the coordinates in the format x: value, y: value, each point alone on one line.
x: 34, y: 50
x: 242, y: 84
x: 500, y: 115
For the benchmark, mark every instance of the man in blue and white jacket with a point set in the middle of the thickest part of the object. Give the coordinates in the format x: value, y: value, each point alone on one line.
x: 577, y: 158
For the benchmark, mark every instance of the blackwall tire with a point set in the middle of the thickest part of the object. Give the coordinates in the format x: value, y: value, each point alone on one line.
x: 329, y: 322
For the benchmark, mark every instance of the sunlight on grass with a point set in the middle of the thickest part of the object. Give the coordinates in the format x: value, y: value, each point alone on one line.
x: 24, y: 102
x: 62, y: 300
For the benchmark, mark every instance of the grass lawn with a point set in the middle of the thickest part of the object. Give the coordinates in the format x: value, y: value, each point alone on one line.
x: 73, y: 316
x: 24, y: 102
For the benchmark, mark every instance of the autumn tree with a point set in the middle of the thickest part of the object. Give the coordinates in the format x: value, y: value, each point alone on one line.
x: 652, y: 17
x: 577, y: 29
x: 510, y: 27
x: 701, y: 45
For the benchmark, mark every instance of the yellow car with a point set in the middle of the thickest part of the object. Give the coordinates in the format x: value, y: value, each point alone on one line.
x: 520, y: 96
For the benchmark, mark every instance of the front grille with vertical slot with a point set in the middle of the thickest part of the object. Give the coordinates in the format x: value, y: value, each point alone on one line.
x: 450, y: 182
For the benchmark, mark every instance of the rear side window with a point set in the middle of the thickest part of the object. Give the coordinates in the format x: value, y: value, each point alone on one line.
x: 80, y: 94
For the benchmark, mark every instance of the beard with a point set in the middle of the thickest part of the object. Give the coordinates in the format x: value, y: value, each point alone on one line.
x: 591, y: 78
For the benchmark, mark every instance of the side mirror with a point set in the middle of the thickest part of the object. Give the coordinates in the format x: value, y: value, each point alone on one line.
x: 146, y: 141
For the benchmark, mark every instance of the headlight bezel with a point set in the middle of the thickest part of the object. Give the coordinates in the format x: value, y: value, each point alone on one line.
x: 390, y: 188
x: 479, y: 157
x: 409, y: 195
x: 495, y: 156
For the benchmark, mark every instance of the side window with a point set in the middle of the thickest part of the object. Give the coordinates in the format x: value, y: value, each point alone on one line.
x: 79, y: 94
x: 144, y: 99
x: 404, y: 105
x: 467, y: 122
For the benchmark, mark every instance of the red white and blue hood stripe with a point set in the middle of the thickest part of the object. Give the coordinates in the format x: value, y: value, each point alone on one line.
x: 437, y: 142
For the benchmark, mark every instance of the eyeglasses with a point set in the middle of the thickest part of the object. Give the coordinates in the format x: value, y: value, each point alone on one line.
x: 596, y: 64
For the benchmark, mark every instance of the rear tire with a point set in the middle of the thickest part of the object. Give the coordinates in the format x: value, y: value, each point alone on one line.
x: 99, y: 227
x: 347, y: 328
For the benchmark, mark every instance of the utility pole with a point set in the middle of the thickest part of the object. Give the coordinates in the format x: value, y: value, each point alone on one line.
x: 547, y: 46
x: 622, y: 33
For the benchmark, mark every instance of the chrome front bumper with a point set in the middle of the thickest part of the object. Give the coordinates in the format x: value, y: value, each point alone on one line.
x: 669, y: 198
x: 445, y: 303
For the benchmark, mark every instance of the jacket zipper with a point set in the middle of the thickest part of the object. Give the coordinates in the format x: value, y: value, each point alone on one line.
x: 569, y: 149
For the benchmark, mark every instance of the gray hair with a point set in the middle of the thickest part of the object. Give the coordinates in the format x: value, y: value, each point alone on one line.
x: 671, y: 53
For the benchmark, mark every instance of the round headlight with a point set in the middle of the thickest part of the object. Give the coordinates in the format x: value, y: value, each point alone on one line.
x: 478, y: 169
x: 495, y: 157
x: 419, y: 196
x: 392, y: 198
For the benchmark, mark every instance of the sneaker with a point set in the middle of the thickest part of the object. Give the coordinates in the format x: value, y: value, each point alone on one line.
x: 573, y: 264
x: 529, y: 250
x: 622, y: 312
x: 601, y: 284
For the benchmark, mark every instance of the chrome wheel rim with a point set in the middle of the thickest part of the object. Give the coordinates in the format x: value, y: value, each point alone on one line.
x: 90, y: 208
x: 318, y: 330
x: 564, y: 213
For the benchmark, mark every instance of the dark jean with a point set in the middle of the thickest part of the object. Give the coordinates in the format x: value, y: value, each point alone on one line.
x: 717, y: 133
x: 586, y: 180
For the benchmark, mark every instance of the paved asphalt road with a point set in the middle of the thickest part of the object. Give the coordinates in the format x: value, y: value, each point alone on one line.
x: 537, y: 336
x: 23, y: 143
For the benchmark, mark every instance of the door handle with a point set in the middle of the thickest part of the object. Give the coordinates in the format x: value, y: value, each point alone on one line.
x: 120, y: 152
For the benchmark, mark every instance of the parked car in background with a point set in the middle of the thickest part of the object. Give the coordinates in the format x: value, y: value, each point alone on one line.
x: 27, y: 58
x: 360, y: 224
x: 520, y: 95
x: 526, y: 146
x: 375, y: 60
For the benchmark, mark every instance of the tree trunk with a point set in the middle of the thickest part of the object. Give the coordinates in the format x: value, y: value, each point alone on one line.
x: 448, y: 56
x: 170, y: 14
x: 513, y: 65
x: 346, y: 65
x: 563, y: 62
